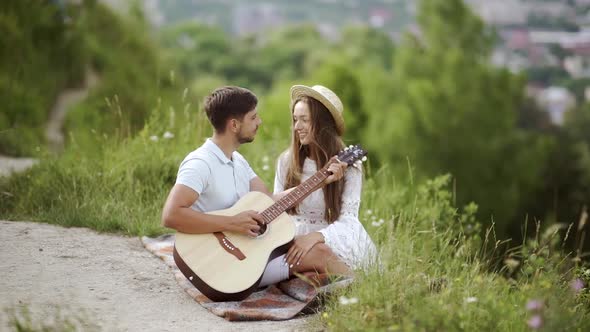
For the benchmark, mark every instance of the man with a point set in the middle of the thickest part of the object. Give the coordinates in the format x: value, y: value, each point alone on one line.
x: 215, y: 176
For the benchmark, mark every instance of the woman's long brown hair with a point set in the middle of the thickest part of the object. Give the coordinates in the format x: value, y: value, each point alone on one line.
x: 325, y: 143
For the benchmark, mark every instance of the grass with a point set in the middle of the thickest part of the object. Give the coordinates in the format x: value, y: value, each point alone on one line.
x: 23, y: 319
x: 435, y: 276
x: 439, y: 270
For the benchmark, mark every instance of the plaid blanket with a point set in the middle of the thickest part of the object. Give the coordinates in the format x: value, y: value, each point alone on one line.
x: 276, y: 302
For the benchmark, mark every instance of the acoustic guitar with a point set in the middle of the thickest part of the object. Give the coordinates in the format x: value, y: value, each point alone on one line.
x: 227, y: 266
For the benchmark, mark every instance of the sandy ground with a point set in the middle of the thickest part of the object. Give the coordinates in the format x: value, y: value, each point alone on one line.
x: 109, y: 283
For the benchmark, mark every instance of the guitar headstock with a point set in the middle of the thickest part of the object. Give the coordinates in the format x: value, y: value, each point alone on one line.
x: 352, y: 154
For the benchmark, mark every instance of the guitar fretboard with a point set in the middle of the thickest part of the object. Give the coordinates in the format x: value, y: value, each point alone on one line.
x: 295, y: 196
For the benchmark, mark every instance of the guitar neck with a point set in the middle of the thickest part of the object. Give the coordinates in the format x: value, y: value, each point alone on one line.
x: 295, y: 196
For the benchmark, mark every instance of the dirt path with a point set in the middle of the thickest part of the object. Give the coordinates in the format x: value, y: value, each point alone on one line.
x: 110, y: 282
x: 9, y: 165
x: 53, y: 131
x: 66, y: 100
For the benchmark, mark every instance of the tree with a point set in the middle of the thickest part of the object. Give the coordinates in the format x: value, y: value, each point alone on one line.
x: 285, y: 51
x: 198, y: 49
x: 367, y: 45
x: 454, y: 112
x: 338, y: 76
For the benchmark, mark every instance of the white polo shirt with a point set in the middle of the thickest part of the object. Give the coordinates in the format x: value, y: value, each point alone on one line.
x: 219, y: 181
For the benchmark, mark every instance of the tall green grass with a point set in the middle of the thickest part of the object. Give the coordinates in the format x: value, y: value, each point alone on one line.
x: 22, y: 319
x: 435, y: 273
x: 40, y: 55
x: 118, y: 185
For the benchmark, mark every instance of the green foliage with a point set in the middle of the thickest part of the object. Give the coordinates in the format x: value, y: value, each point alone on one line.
x: 566, y: 178
x: 433, y: 277
x: 45, y: 50
x: 577, y: 87
x: 22, y: 319
x: 367, y: 45
x: 453, y: 112
x: 118, y: 186
x: 202, y: 50
x: 286, y: 50
x: 546, y: 75
x: 197, y: 48
x: 39, y: 56
x: 343, y: 80
x: 130, y: 70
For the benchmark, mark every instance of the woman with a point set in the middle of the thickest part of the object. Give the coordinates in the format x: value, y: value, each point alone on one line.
x: 329, y: 215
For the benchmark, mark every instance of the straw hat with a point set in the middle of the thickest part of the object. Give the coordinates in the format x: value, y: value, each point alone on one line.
x: 325, y: 96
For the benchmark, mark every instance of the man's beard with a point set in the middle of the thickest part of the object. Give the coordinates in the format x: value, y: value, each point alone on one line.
x: 245, y: 139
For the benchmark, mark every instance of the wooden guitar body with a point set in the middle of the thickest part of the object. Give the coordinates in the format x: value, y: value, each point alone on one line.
x: 213, y: 267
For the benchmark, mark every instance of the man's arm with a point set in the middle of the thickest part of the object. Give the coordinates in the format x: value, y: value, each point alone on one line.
x: 177, y: 214
x: 256, y: 184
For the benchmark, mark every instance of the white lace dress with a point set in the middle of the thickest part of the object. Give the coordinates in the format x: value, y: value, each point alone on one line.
x: 346, y: 236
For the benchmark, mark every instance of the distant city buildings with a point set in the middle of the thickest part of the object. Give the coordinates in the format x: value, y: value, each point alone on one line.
x: 538, y: 36
x: 252, y: 18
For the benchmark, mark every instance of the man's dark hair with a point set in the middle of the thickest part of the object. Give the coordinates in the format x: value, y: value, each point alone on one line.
x: 228, y: 102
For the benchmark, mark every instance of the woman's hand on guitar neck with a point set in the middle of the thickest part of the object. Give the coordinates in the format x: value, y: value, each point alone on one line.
x: 336, y: 168
x: 247, y: 223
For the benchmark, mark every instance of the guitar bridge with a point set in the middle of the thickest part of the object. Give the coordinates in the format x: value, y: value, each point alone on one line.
x: 228, y: 246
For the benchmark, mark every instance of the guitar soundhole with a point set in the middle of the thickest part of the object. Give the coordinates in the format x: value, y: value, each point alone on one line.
x: 263, y: 228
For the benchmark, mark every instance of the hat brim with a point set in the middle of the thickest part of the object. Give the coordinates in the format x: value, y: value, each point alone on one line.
x: 299, y: 91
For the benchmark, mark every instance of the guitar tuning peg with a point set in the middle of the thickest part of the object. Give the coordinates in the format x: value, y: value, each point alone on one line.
x: 364, y: 158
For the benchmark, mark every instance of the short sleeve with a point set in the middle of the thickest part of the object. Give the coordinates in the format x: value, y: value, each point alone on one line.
x: 246, y: 165
x: 251, y: 173
x: 194, y: 173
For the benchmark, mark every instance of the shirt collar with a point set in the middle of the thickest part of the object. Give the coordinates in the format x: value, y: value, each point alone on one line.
x: 211, y: 146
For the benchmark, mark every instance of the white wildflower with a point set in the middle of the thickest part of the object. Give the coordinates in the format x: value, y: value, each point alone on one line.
x: 471, y: 299
x: 265, y: 159
x: 265, y: 167
x: 369, y: 212
x: 154, y: 138
x: 346, y: 301
x: 168, y: 135
x: 378, y: 222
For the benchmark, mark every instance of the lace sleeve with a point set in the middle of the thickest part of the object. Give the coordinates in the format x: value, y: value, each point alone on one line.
x: 351, y: 196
